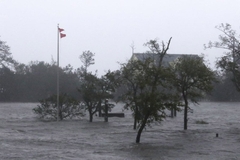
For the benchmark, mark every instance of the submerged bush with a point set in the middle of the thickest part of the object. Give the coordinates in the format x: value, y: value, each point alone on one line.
x: 201, y: 122
x: 68, y: 108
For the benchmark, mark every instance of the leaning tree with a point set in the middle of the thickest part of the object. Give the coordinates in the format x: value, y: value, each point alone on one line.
x: 129, y: 75
x: 149, y: 90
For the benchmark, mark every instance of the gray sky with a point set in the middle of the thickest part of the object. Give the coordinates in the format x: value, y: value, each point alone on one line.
x: 109, y: 27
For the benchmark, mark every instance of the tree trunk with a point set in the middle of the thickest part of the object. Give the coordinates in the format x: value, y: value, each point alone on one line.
x: 175, y: 111
x: 60, y: 114
x: 185, y: 117
x: 90, y: 117
x: 135, y: 122
x: 90, y: 114
x: 106, y: 111
x: 185, y: 111
x: 135, y: 118
x: 172, y: 110
x: 136, y: 114
x: 100, y: 109
x: 141, y: 128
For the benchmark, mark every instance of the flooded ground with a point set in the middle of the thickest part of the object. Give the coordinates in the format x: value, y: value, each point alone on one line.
x: 23, y: 137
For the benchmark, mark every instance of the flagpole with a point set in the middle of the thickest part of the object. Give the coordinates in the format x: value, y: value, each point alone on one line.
x: 58, y: 109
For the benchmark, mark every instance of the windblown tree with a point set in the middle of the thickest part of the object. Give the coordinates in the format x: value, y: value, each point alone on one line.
x: 90, y: 96
x: 8, y: 85
x: 93, y: 90
x: 6, y: 59
x: 229, y: 41
x: 87, y: 59
x: 6, y: 76
x: 88, y: 87
x: 224, y: 90
x: 129, y: 75
x: 38, y: 80
x: 193, y: 79
x: 30, y: 83
x: 69, y: 108
x: 151, y: 80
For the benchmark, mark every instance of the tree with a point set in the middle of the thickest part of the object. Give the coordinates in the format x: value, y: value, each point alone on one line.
x: 38, y: 80
x: 151, y: 80
x: 129, y: 75
x: 6, y: 76
x: 89, y: 84
x: 89, y: 90
x: 69, y: 108
x: 224, y: 89
x: 229, y: 41
x: 69, y: 81
x: 6, y: 59
x: 93, y: 90
x: 7, y: 84
x: 192, y: 79
x: 87, y: 59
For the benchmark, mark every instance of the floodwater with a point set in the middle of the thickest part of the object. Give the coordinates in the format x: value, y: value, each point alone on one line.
x: 24, y: 137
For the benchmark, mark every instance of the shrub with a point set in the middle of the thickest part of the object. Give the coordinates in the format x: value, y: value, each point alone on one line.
x: 201, y: 122
x: 68, y: 108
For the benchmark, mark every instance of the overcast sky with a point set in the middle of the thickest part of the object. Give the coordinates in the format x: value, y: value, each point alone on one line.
x: 109, y: 27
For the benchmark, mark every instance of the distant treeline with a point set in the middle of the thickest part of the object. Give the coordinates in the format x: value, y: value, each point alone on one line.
x: 36, y: 81
x: 224, y: 90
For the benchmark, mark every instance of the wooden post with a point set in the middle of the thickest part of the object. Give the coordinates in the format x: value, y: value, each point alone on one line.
x: 172, y: 111
x: 175, y: 110
x: 100, y: 109
x: 106, y: 111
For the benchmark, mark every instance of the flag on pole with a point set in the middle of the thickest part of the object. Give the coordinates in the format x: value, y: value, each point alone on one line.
x: 60, y: 29
x: 62, y: 35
